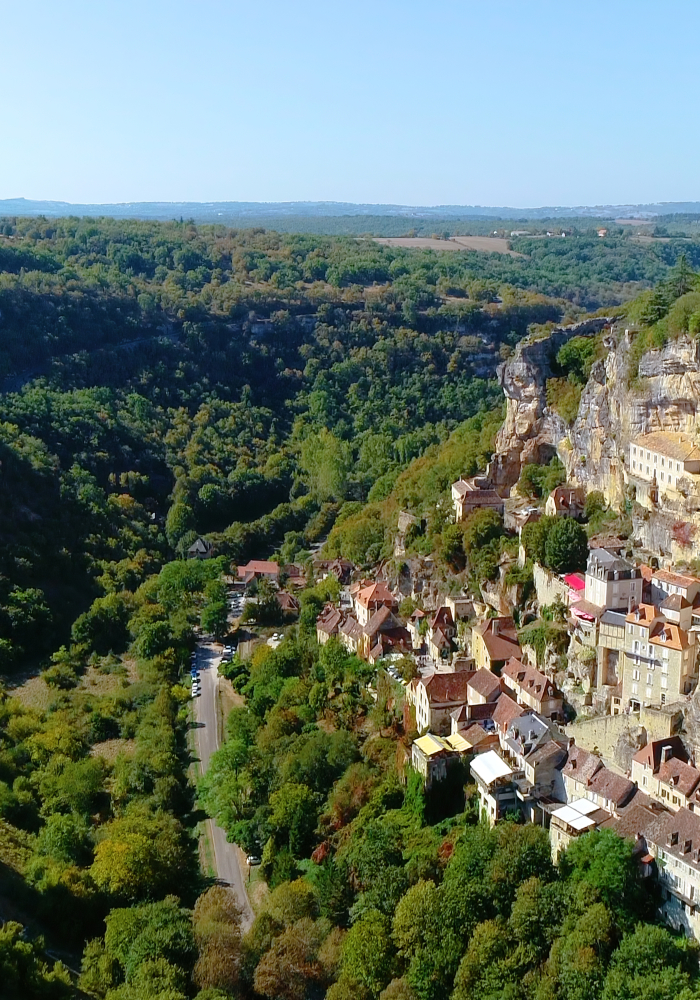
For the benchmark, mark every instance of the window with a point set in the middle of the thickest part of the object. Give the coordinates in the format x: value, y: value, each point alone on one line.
x: 648, y: 692
x: 648, y: 473
x: 636, y: 645
x: 634, y: 464
x: 634, y: 450
x: 650, y: 678
x: 663, y: 699
x: 635, y: 689
x: 645, y: 780
x: 655, y: 459
x: 662, y: 477
x: 678, y: 466
x: 662, y: 462
x: 648, y: 456
x: 635, y: 675
x: 664, y: 682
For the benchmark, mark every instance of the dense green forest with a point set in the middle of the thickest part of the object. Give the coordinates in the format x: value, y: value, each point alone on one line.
x: 162, y: 381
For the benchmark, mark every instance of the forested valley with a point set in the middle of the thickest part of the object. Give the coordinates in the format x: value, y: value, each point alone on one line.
x: 162, y: 382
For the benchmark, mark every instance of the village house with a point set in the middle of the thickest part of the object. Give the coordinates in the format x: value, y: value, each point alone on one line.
x: 201, y: 548
x: 414, y: 625
x: 294, y: 576
x: 383, y: 634
x: 565, y: 501
x: 505, y: 711
x: 665, y: 584
x: 473, y: 494
x: 570, y: 821
x: 430, y: 757
x: 663, y: 771
x: 460, y: 606
x: 660, y: 657
x: 289, y: 605
x: 532, y: 689
x: 328, y: 624
x: 673, y: 839
x: 483, y: 687
x: 350, y: 634
x: 441, y: 634
x: 476, y: 738
x: 495, y: 783
x: 258, y: 569
x: 663, y: 463
x: 612, y: 582
x: 494, y: 641
x: 369, y: 597
x: 533, y: 746
x: 467, y: 715
x: 435, y: 697
x: 611, y: 643
x: 585, y: 776
x: 341, y: 569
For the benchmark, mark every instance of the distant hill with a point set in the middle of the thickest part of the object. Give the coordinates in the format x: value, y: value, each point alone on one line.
x: 263, y: 213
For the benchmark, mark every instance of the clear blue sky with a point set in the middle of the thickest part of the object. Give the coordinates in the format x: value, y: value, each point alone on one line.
x: 492, y: 102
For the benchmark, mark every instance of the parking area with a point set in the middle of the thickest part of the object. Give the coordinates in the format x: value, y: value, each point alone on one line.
x: 236, y: 603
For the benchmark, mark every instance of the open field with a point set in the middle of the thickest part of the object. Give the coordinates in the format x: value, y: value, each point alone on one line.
x: 490, y: 244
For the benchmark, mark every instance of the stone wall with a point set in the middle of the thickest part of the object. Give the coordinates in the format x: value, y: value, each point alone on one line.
x: 602, y: 733
x: 548, y: 586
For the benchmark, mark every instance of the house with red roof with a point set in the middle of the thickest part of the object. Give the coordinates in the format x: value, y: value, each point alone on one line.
x: 328, y: 623
x: 258, y: 569
x: 441, y: 634
x: 436, y: 697
x: 494, y: 642
x: 565, y: 501
x: 383, y: 634
x: 532, y: 689
x: 483, y: 687
x: 369, y: 597
x: 663, y: 770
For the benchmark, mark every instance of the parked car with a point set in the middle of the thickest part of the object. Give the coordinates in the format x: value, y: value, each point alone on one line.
x: 253, y: 860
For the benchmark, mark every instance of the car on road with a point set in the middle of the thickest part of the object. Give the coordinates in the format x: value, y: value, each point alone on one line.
x: 196, y: 690
x: 252, y: 860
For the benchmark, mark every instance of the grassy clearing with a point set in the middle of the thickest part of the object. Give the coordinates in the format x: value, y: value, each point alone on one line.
x: 33, y: 693
x: 110, y: 749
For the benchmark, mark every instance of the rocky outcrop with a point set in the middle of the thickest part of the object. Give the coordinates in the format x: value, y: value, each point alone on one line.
x: 531, y: 432
x: 613, y: 411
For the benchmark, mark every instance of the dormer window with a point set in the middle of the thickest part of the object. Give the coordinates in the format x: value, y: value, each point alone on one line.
x: 687, y: 846
x: 673, y: 839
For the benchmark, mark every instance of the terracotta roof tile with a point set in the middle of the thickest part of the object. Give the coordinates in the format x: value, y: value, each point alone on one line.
x: 581, y: 765
x: 651, y: 755
x: 485, y: 683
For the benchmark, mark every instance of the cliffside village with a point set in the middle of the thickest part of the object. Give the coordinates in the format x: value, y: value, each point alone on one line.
x: 479, y: 699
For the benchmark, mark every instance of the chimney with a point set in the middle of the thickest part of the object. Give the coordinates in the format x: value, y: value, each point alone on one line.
x: 666, y: 754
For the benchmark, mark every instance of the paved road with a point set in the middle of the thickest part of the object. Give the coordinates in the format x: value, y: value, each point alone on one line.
x: 226, y: 861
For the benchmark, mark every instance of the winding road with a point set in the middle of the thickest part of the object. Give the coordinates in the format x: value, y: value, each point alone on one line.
x: 226, y: 855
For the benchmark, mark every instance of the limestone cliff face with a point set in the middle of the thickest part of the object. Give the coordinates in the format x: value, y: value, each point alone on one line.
x: 531, y: 432
x: 594, y: 449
